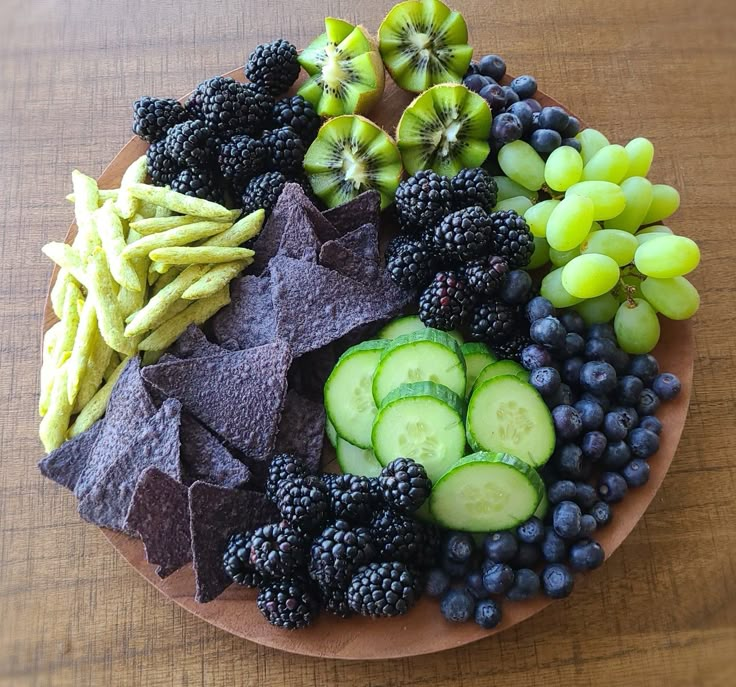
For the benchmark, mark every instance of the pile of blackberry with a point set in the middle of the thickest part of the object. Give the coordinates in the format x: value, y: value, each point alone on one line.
x: 466, y: 260
x: 232, y: 142
x: 346, y: 544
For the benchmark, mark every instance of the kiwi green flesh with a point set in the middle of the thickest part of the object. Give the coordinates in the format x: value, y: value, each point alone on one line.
x: 337, y: 29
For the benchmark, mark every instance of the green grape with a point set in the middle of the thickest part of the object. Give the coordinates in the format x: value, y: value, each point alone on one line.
x: 616, y: 244
x: 540, y: 256
x: 569, y: 223
x: 608, y: 198
x: 599, y: 309
x: 520, y: 162
x: 638, y: 194
x: 591, y: 275
x: 564, y: 168
x: 608, y: 164
x: 595, y: 226
x: 507, y: 188
x: 667, y: 256
x: 655, y: 229
x: 675, y: 298
x: 641, y: 153
x: 636, y: 326
x: 665, y: 201
x: 519, y: 204
x: 560, y: 258
x: 632, y: 290
x: 552, y: 289
x: 537, y: 216
x: 591, y: 141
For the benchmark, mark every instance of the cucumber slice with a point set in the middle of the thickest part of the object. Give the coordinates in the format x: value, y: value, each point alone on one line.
x: 477, y: 357
x: 356, y: 461
x: 348, y: 392
x: 502, y: 367
x: 543, y: 507
x: 422, y: 421
x: 330, y: 432
x: 408, y: 324
x: 428, y: 355
x: 507, y: 414
x: 486, y: 492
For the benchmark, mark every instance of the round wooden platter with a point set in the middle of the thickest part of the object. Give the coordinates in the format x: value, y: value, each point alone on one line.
x: 423, y: 630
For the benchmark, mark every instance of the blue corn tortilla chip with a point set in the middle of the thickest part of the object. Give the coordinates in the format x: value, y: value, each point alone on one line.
x: 204, y: 458
x: 299, y: 240
x: 65, y: 464
x: 193, y: 343
x: 159, y: 514
x: 215, y: 514
x: 362, y: 241
x: 249, y: 319
x: 349, y: 216
x: 344, y: 261
x: 155, y: 445
x: 128, y: 410
x: 238, y: 395
x: 302, y: 429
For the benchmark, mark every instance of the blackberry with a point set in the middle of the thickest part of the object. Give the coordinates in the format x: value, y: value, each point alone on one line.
x: 464, y: 234
x: 512, y: 348
x: 276, y: 550
x: 262, y: 192
x: 230, y: 107
x: 190, y: 143
x: 242, y: 158
x: 287, y: 603
x: 351, y: 498
x: 329, y: 479
x: 430, y: 551
x: 405, y: 484
x: 236, y: 560
x: 446, y: 303
x: 153, y: 117
x: 199, y: 183
x: 512, y: 239
x: 485, y: 276
x: 422, y: 201
x: 282, y: 467
x: 474, y: 187
x: 284, y: 150
x: 300, y: 115
x: 273, y: 66
x: 338, y: 552
x: 493, y: 322
x: 303, y: 502
x: 397, y: 537
x: 410, y: 263
x: 383, y: 589
x: 335, y: 601
x: 161, y: 168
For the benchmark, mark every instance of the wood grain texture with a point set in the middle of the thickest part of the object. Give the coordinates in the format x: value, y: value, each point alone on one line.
x: 662, y: 609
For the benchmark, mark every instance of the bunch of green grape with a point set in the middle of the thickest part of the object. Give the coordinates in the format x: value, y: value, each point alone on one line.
x: 612, y: 258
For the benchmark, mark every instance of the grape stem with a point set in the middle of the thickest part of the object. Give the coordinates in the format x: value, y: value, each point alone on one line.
x: 626, y: 290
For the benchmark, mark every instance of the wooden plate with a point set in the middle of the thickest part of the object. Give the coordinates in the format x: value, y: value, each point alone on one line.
x: 423, y: 630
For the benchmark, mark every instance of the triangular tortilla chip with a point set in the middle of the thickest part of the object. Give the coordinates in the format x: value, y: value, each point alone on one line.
x: 194, y: 344
x: 365, y: 208
x: 362, y: 241
x: 344, y: 261
x: 302, y: 429
x: 65, y: 464
x: 249, y: 320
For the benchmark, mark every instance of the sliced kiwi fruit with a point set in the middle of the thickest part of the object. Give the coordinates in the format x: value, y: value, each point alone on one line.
x: 423, y: 43
x: 345, y: 70
x: 351, y: 155
x: 445, y: 129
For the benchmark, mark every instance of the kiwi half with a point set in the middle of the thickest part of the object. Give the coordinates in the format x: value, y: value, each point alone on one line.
x: 350, y: 155
x: 345, y: 68
x: 423, y: 43
x: 445, y: 129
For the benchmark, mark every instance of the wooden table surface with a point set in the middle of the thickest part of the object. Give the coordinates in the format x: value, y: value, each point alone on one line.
x: 661, y: 611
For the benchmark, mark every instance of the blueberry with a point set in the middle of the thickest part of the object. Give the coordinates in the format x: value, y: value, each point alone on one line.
x: 459, y: 547
x: 517, y: 286
x: 548, y: 331
x: 475, y: 82
x: 616, y: 455
x: 487, y: 614
x: 593, y: 445
x: 573, y: 322
x: 523, y: 112
x: 601, y: 399
x: 629, y: 415
x: 554, y: 118
x: 500, y: 547
x: 636, y: 473
x: 666, y: 386
x: 545, y: 140
x: 567, y: 421
x: 566, y: 519
x: 643, y: 443
x: 568, y: 461
x: 534, y: 356
x: 651, y: 423
x: 600, y: 349
x: 572, y: 143
x: 602, y: 513
x: 554, y: 547
x: 585, y: 495
x: 511, y: 96
x: 525, y: 86
x: 557, y: 581
x: 457, y: 606
x: 495, y: 97
x: 588, y: 525
x: 531, y: 532
x: 437, y: 583
x: 648, y: 403
x: 602, y: 330
x: 473, y: 68
x: 572, y: 129
x: 571, y: 370
x: 612, y: 487
x: 586, y: 555
x: 526, y: 585
x: 562, y: 397
x: 645, y: 367
x: 546, y: 380
x: 620, y: 361
x: 497, y: 577
x: 493, y: 66
x: 539, y: 307
x: 454, y: 569
x: 526, y: 557
x: 474, y: 584
x: 614, y: 426
x: 563, y: 490
x: 532, y: 103
x: 628, y: 390
x: 591, y: 413
x: 598, y: 377
x: 506, y: 128
x: 574, y: 344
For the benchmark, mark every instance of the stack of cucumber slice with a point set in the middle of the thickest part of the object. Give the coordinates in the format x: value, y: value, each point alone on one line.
x: 421, y: 393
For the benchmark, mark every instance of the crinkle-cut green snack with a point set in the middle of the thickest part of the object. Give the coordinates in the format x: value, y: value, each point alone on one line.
x: 156, y: 444
x: 249, y: 320
x: 362, y: 241
x: 205, y: 459
x: 65, y: 464
x: 159, y: 514
x: 302, y: 429
x: 193, y: 343
x: 216, y: 513
x: 363, y: 209
x: 238, y: 395
x: 344, y: 261
x: 129, y: 408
